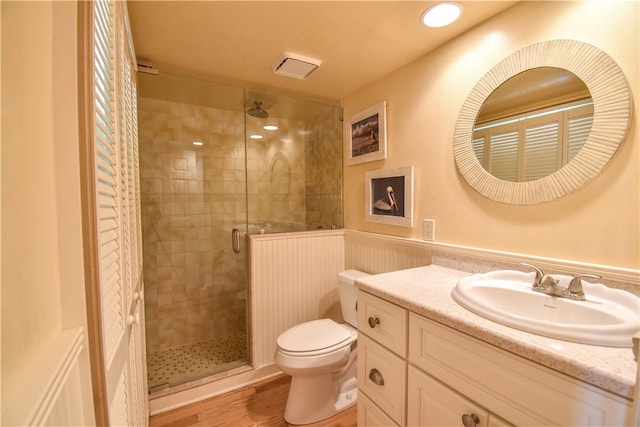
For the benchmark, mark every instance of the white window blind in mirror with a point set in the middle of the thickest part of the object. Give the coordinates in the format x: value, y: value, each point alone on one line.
x: 541, y: 150
x: 530, y: 147
x: 503, y: 155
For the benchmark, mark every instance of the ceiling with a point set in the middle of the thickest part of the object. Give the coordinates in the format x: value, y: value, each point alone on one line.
x: 237, y: 42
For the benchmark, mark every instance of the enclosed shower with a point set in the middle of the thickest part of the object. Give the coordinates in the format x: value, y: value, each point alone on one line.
x: 217, y: 164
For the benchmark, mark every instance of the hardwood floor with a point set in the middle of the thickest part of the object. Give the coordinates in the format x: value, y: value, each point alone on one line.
x: 260, y: 404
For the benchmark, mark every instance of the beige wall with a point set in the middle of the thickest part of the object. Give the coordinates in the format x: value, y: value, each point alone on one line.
x: 42, y: 272
x: 597, y: 224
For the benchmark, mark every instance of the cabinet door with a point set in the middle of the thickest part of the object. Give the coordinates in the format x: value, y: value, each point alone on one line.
x: 369, y: 415
x: 517, y: 389
x: 430, y: 403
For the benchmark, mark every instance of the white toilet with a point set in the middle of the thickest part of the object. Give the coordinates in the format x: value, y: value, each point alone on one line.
x: 320, y: 356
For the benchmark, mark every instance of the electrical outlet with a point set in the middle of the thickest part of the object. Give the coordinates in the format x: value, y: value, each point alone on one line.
x: 429, y: 229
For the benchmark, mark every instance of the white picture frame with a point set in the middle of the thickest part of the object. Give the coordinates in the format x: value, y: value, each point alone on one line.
x: 389, y: 196
x: 368, y: 135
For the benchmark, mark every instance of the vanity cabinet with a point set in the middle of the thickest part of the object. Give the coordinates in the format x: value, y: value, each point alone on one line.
x: 431, y: 374
x: 519, y: 391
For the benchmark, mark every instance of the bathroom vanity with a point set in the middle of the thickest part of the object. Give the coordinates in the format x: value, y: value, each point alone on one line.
x: 425, y: 360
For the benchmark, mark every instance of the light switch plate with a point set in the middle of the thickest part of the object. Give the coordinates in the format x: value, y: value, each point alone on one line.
x: 429, y: 229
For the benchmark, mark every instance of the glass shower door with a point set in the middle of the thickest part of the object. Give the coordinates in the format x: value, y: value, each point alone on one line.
x: 192, y: 172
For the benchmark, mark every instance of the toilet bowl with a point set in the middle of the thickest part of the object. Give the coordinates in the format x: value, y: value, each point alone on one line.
x: 320, y: 356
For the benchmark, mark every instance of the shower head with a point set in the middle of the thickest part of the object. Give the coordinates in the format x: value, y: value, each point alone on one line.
x: 258, y: 111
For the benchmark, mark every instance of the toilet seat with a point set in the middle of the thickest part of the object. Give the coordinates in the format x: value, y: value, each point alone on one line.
x: 315, y: 337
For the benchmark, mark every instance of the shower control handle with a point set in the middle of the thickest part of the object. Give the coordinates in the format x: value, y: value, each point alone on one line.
x: 373, y: 322
x: 235, y: 240
x: 376, y: 377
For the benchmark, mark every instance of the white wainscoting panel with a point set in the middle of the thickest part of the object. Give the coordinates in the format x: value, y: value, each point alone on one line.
x: 376, y: 253
x: 293, y: 280
x: 58, y: 392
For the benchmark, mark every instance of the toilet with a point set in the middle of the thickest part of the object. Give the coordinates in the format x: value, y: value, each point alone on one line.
x: 320, y: 356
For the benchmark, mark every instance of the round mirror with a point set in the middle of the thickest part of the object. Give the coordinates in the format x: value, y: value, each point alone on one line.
x: 542, y: 123
x: 533, y: 124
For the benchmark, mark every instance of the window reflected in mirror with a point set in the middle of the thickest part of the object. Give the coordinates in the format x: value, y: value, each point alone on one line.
x: 533, y: 124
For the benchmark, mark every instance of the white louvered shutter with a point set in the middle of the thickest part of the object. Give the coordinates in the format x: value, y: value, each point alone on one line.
x: 535, y: 145
x: 580, y: 121
x: 503, y: 161
x: 478, y: 149
x: 118, y: 211
x: 542, y: 146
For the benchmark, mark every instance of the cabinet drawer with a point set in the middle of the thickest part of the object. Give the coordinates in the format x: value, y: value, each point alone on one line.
x: 369, y: 415
x: 382, y: 377
x: 384, y: 322
x: 431, y: 403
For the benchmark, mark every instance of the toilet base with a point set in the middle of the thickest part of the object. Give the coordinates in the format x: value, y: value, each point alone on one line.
x: 314, y: 398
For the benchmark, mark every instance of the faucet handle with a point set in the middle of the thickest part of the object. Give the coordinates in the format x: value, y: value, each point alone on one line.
x: 537, y: 282
x: 575, y: 290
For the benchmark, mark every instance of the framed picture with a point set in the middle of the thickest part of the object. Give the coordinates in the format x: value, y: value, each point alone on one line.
x: 389, y: 196
x: 368, y: 135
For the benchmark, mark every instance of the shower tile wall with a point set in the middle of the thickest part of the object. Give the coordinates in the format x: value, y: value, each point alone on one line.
x: 323, y: 179
x: 295, y: 175
x: 192, y: 198
x: 275, y: 175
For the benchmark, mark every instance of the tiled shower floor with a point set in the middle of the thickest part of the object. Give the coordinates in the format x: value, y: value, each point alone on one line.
x: 177, y: 365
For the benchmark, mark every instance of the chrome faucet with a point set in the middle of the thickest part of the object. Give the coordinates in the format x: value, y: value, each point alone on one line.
x: 546, y: 284
x: 543, y: 282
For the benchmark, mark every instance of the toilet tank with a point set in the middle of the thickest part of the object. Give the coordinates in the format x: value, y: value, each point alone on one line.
x: 348, y: 294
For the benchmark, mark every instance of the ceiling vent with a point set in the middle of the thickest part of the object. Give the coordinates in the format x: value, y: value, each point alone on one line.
x: 146, y: 67
x: 296, y: 66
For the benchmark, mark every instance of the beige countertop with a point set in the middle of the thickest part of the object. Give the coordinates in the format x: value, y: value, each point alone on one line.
x: 427, y: 291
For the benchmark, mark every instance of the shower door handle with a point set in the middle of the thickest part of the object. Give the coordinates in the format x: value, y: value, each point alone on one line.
x: 235, y: 240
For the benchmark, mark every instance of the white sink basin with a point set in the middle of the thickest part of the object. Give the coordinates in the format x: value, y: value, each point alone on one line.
x: 608, y: 317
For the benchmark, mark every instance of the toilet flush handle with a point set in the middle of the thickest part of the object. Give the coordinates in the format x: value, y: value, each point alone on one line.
x: 373, y: 322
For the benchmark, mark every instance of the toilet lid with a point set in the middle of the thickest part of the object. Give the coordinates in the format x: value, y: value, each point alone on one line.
x: 313, y: 335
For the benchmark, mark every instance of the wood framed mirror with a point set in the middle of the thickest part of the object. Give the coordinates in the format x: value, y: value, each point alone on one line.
x: 611, y: 117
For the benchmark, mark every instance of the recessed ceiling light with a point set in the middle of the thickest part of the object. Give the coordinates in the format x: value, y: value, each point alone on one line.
x: 198, y: 143
x: 255, y: 136
x: 441, y: 14
x: 270, y: 127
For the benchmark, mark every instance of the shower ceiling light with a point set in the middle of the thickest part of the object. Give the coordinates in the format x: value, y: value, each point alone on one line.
x: 441, y: 14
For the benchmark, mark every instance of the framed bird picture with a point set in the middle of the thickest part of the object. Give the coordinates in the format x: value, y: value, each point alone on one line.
x: 368, y: 135
x: 389, y: 196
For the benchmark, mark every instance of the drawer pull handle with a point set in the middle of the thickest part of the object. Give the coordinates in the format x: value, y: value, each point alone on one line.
x: 376, y: 377
x: 470, y: 420
x: 373, y: 322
